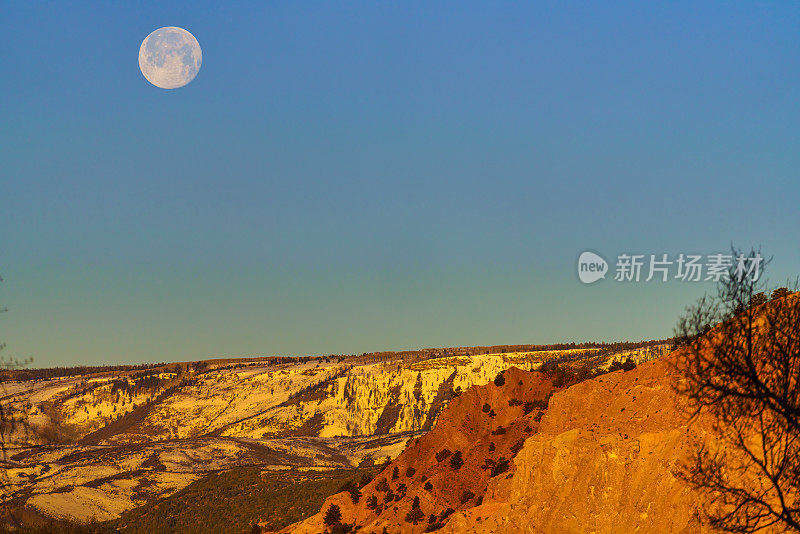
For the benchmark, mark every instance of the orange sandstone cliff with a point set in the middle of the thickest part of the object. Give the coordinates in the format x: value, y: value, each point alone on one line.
x: 603, y: 457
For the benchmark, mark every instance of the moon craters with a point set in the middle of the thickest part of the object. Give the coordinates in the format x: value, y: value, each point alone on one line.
x: 170, y: 57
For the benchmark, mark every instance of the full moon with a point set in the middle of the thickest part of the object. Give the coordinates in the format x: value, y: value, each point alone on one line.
x: 170, y: 57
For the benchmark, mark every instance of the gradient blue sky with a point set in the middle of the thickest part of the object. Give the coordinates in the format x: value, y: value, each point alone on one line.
x: 348, y: 177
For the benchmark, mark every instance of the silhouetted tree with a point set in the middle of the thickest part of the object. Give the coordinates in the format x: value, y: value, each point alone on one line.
x: 500, y: 379
x: 456, y: 461
x: 499, y: 467
x: 779, y: 293
x: 382, y: 485
x: 618, y: 365
x: 745, y: 373
x: 442, y: 455
x: 415, y: 515
x: 355, y: 493
x: 333, y: 516
x: 466, y: 496
x: 758, y: 299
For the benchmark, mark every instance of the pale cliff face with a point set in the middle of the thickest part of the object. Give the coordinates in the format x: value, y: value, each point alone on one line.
x: 311, y: 398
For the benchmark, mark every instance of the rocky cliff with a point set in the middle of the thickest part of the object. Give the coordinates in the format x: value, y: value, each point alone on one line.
x: 451, y: 467
x: 605, y: 457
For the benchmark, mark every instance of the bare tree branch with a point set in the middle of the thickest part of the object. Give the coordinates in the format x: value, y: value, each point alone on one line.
x: 744, y: 373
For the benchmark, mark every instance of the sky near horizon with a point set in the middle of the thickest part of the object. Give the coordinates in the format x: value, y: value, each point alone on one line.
x: 350, y: 177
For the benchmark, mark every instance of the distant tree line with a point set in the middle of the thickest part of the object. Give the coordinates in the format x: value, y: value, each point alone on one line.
x: 408, y: 356
x: 426, y: 354
x: 18, y: 375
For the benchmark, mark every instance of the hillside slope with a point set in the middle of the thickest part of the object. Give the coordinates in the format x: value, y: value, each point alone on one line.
x: 108, y: 441
x: 451, y: 467
x: 321, y: 397
x: 605, y: 457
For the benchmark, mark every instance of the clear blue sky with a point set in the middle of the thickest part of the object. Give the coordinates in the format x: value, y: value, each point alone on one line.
x: 348, y: 177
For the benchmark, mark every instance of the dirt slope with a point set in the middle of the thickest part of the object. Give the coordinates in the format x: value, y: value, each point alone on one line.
x: 605, y: 458
x: 485, y: 425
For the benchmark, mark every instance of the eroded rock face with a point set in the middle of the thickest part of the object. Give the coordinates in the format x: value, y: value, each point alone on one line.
x: 485, y: 427
x: 606, y: 459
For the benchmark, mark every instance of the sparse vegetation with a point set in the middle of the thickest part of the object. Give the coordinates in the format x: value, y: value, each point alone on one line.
x: 627, y: 365
x: 401, y: 492
x: 415, y: 515
x: 499, y: 467
x: 500, y: 379
x: 435, y: 523
x: 443, y: 455
x: 333, y: 516
x: 230, y: 501
x: 372, y: 502
x: 456, y: 461
x: 352, y: 489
